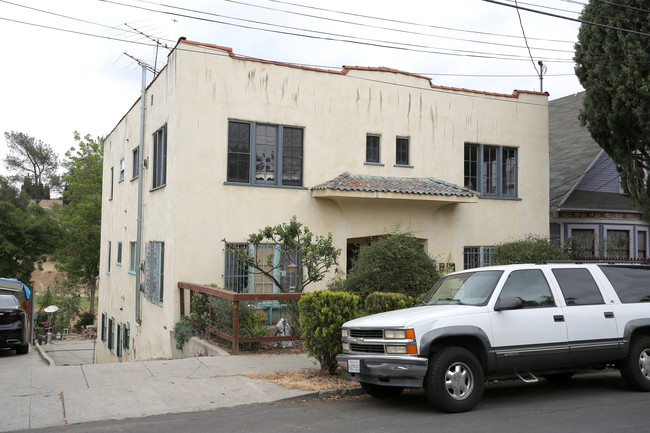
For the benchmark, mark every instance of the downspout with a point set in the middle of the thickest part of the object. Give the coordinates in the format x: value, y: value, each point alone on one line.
x: 138, y: 242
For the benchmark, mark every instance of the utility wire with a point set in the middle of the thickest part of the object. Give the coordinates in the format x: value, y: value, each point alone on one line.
x: 570, y: 19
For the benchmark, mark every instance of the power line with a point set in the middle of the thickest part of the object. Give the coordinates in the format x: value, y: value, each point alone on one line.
x: 570, y: 19
x: 338, y: 37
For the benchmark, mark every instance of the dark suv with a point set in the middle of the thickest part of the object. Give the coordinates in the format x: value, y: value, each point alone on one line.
x: 13, y: 325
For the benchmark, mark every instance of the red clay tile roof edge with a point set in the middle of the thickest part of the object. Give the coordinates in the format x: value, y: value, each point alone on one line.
x: 346, y: 69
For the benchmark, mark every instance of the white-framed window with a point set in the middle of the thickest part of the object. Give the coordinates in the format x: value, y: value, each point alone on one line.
x: 108, y: 271
x: 121, y: 170
x: 110, y: 197
x: 264, y: 154
x: 133, y: 262
x: 373, y: 149
x: 118, y: 261
x: 491, y: 170
x: 136, y: 163
x: 154, y: 272
x: 160, y: 158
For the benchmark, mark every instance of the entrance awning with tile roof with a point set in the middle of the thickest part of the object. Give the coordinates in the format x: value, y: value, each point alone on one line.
x: 362, y: 186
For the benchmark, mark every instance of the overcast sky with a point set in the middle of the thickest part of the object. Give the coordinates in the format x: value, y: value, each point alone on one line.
x: 64, y: 65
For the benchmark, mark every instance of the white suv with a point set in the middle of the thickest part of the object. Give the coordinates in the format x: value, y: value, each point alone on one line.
x: 524, y: 321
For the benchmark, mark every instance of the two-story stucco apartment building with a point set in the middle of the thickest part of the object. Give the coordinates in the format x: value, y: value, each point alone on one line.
x: 232, y: 144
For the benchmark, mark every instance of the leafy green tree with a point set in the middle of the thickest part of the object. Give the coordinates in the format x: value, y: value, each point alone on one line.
x: 529, y: 249
x: 26, y: 236
x: 11, y: 194
x: 311, y: 255
x: 35, y: 163
x: 396, y: 263
x: 613, y: 66
x: 80, y: 217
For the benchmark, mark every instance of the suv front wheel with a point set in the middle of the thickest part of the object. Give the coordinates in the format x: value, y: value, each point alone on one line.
x: 454, y: 381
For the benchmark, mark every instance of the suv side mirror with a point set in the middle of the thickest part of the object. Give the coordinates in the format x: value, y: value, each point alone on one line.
x: 508, y: 304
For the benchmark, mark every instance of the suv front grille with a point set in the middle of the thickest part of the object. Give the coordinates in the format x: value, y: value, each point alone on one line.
x: 366, y: 333
x: 367, y: 348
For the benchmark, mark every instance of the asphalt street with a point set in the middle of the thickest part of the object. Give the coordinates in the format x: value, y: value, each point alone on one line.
x: 590, y: 403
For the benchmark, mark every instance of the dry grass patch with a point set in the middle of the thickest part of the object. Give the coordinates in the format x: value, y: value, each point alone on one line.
x: 307, y: 380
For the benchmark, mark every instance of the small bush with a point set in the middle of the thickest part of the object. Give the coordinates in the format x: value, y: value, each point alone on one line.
x: 86, y: 318
x: 380, y: 302
x: 529, y: 249
x: 396, y: 263
x: 322, y: 314
x: 183, y: 331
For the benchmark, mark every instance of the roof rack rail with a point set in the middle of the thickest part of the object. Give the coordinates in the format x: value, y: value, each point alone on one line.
x: 598, y: 261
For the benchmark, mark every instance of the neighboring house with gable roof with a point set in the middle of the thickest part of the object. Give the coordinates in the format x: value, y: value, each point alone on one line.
x: 586, y: 198
x: 233, y: 144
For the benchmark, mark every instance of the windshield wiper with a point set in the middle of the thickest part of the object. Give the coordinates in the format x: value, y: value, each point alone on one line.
x: 458, y: 301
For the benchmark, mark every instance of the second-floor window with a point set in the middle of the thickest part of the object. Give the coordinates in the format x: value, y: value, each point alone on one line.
x: 491, y: 170
x: 402, y: 151
x: 121, y: 169
x: 263, y: 154
x: 160, y: 157
x: 154, y: 270
x: 372, y: 149
x: 136, y: 163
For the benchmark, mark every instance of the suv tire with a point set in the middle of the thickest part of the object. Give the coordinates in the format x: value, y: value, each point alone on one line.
x: 381, y: 391
x: 455, y: 380
x: 22, y: 349
x: 635, y: 368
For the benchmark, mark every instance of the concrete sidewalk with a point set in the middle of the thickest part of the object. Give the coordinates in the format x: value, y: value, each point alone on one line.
x: 41, y: 396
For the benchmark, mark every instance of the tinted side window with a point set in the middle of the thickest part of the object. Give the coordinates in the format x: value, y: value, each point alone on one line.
x: 631, y: 283
x: 530, y: 286
x: 578, y: 286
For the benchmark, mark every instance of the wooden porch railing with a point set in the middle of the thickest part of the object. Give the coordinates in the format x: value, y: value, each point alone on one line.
x: 236, y: 298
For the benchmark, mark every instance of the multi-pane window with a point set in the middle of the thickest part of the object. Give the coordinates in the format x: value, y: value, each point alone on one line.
x: 618, y: 244
x: 584, y: 243
x: 160, y: 157
x: 136, y: 163
x: 265, y: 154
x: 241, y: 278
x: 372, y: 148
x: 402, y: 151
x: 121, y: 169
x: 491, y: 170
x: 119, y: 253
x: 133, y: 263
x: 154, y: 272
x: 476, y: 257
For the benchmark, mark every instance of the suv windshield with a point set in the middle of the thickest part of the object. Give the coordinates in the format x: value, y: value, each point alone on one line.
x: 469, y: 288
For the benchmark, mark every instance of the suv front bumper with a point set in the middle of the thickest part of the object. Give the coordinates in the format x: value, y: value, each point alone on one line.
x: 407, y: 371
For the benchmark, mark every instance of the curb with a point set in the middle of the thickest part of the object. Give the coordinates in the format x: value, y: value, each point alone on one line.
x: 345, y: 392
x: 44, y: 355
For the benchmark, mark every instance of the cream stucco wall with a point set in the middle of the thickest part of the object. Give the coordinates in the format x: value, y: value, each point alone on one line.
x: 203, y: 87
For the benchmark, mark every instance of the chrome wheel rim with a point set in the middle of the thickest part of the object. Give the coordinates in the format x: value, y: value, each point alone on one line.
x: 459, y: 381
x: 644, y: 363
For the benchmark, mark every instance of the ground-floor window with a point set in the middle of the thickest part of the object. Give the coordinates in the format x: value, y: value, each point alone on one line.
x: 476, y: 257
x: 242, y: 278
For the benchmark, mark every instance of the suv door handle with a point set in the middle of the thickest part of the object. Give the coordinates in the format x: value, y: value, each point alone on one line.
x: 558, y: 318
x: 609, y: 315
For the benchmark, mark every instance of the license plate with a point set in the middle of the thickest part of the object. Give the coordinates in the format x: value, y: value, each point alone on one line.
x: 354, y: 366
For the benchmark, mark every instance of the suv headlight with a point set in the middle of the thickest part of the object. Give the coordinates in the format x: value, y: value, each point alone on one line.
x: 399, y: 334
